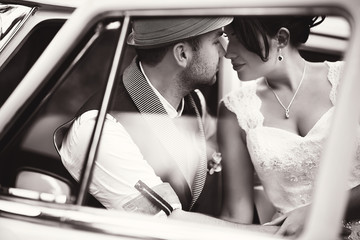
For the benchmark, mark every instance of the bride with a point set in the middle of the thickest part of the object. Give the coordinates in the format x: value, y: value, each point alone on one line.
x: 276, y: 123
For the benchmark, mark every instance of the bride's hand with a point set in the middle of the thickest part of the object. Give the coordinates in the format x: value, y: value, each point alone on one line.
x: 291, y: 223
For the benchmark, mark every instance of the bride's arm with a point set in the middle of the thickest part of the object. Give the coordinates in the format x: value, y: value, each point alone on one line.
x: 238, y: 203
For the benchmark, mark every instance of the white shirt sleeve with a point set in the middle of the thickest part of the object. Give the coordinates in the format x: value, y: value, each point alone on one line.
x: 119, y: 164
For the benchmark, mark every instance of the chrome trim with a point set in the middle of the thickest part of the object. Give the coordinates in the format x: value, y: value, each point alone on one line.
x: 91, y: 156
x: 29, y: 194
x: 16, y: 209
x: 122, y: 224
x: 17, y: 25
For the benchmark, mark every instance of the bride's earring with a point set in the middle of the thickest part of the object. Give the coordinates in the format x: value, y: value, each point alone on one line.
x: 280, y: 57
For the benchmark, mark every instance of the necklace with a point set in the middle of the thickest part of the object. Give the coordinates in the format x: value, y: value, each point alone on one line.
x: 287, y: 109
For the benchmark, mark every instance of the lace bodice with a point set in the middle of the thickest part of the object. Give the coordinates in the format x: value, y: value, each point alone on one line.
x: 286, y: 163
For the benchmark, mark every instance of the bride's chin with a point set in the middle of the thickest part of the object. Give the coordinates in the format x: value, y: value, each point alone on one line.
x: 242, y: 77
x: 246, y: 77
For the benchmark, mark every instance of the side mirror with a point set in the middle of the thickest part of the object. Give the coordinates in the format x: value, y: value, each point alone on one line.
x: 42, y: 184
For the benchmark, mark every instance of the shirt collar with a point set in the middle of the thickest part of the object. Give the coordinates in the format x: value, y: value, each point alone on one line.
x: 172, y: 112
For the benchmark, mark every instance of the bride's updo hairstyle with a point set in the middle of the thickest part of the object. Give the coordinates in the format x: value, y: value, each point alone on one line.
x: 253, y: 32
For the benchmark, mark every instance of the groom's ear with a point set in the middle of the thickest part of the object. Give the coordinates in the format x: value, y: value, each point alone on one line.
x: 181, y: 54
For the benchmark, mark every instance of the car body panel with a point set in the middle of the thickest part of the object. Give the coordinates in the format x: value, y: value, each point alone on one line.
x: 89, y: 223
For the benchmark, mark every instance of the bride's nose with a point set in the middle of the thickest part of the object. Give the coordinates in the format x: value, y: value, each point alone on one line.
x: 230, y: 53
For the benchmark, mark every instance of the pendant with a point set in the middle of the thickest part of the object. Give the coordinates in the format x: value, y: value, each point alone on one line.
x: 287, y: 113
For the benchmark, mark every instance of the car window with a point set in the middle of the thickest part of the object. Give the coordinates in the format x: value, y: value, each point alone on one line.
x: 141, y: 134
x: 83, y: 83
x: 13, y: 71
x: 32, y: 153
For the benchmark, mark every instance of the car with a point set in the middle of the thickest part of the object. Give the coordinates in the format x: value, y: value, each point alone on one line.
x: 55, y: 54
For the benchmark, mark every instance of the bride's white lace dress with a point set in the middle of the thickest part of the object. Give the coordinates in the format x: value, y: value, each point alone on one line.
x: 286, y: 163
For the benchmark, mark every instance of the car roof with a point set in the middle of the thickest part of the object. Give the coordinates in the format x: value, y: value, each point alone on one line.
x: 49, y: 3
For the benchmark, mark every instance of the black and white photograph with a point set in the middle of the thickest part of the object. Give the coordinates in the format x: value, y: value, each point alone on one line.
x: 179, y: 120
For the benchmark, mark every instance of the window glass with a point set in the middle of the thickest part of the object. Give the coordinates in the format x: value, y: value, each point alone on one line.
x: 123, y: 118
x: 82, y: 76
x: 16, y: 68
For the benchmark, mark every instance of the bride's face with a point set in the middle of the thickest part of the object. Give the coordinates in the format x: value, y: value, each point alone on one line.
x: 247, y: 64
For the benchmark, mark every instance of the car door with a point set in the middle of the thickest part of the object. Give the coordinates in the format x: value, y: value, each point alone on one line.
x: 84, y: 59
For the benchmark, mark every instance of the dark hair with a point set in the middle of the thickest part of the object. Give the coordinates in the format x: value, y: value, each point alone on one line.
x: 248, y: 30
x: 153, y: 56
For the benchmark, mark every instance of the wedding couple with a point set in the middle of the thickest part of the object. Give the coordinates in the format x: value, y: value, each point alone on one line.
x: 156, y: 159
